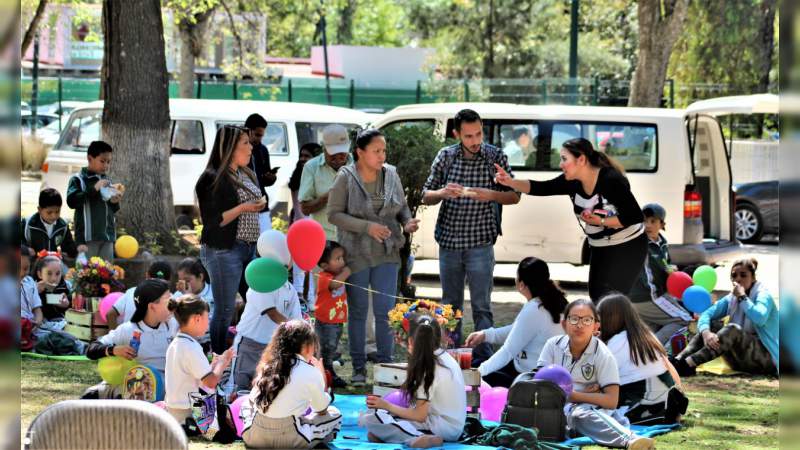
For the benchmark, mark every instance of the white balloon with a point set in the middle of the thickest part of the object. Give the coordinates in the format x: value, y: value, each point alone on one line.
x: 272, y: 244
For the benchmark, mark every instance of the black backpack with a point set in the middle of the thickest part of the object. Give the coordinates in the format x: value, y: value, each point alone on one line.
x: 537, y: 404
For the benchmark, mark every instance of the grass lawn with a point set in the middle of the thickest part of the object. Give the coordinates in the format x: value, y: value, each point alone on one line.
x: 738, y: 412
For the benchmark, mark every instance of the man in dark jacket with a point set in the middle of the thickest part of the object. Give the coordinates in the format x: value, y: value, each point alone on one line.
x: 46, y: 230
x: 259, y: 162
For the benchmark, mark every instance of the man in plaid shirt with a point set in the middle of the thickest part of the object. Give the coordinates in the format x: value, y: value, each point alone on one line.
x: 462, y: 178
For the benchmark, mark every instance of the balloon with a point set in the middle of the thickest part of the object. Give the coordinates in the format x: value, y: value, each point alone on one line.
x: 112, y: 369
x: 306, y: 240
x: 265, y: 275
x: 272, y: 244
x: 126, y: 247
x: 161, y: 404
x: 696, y: 299
x: 677, y: 282
x: 107, y: 303
x: 706, y: 277
x: 492, y: 403
x: 236, y: 409
x: 557, y: 375
x: 397, y: 397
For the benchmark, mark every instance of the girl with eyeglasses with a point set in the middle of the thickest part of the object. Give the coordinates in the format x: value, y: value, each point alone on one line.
x: 749, y: 342
x: 230, y: 200
x: 592, y: 408
x: 648, y: 383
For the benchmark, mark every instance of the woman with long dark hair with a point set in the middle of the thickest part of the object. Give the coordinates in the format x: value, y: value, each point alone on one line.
x: 290, y: 379
x: 368, y: 206
x: 229, y: 200
x: 646, y: 377
x: 606, y: 211
x: 538, y: 321
x: 435, y: 388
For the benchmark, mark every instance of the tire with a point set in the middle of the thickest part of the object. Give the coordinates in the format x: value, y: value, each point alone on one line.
x: 184, y: 222
x: 749, y: 224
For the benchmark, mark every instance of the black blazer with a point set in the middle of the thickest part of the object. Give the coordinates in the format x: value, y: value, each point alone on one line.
x: 214, y: 202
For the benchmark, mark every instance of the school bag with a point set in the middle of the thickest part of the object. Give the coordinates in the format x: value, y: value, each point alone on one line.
x: 537, y: 404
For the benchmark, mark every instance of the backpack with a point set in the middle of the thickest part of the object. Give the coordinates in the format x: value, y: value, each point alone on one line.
x: 537, y: 404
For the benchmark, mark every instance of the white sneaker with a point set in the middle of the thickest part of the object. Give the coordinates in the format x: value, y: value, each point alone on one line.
x: 641, y: 443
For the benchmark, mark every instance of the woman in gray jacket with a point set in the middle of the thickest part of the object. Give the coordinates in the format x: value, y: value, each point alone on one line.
x: 368, y: 206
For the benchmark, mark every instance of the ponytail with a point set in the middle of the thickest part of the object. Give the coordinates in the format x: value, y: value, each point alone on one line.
x: 535, y: 275
x: 581, y: 146
x: 427, y: 338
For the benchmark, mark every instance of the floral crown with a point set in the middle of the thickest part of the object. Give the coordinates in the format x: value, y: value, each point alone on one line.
x: 445, y: 315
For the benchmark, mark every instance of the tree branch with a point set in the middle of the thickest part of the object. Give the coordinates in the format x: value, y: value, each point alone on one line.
x: 235, y: 34
x: 31, y: 31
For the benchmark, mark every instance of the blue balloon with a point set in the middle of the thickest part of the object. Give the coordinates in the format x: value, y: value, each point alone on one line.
x: 696, y: 299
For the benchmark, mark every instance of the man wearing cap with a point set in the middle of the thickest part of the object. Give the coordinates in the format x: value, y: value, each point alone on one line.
x: 317, y: 180
x: 660, y: 311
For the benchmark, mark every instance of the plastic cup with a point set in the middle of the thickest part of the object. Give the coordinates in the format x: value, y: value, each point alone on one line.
x: 465, y: 358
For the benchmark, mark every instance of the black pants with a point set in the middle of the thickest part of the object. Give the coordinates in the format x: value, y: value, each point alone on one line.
x: 615, y: 268
x: 503, y: 377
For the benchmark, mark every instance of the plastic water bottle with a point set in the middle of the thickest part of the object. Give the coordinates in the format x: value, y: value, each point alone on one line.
x: 136, y: 340
x: 678, y: 343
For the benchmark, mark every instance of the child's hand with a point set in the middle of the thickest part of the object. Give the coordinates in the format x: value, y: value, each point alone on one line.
x: 116, y: 198
x: 64, y: 302
x: 41, y: 285
x: 101, y: 184
x: 592, y: 388
x: 227, y: 357
x: 124, y: 351
x: 376, y: 402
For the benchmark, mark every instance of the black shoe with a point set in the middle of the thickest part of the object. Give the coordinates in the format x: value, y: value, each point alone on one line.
x: 339, y: 382
x: 682, y: 368
x: 359, y: 377
x: 372, y: 357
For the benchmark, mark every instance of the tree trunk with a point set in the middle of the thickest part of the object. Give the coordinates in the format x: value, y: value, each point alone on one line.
x: 766, y: 43
x: 136, y: 117
x: 31, y: 31
x: 488, y: 63
x: 344, y: 32
x: 192, y: 31
x: 657, y: 35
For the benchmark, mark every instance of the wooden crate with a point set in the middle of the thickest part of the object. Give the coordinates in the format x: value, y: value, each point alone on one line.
x: 388, y: 377
x: 85, y: 325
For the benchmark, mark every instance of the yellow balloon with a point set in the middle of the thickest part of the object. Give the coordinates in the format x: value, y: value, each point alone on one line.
x: 126, y: 247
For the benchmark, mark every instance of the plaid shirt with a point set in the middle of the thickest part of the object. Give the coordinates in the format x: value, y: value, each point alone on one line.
x: 465, y: 223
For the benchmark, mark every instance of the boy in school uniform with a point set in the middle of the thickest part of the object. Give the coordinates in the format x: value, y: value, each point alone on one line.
x: 659, y: 310
x: 46, y: 230
x: 95, y: 201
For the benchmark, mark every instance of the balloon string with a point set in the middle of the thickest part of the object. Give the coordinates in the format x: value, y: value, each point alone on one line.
x: 372, y: 291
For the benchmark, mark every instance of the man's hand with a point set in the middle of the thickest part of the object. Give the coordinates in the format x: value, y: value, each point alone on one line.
x: 452, y: 190
x: 482, y: 194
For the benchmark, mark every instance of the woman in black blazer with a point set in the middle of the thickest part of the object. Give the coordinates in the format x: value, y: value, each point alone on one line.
x: 230, y: 200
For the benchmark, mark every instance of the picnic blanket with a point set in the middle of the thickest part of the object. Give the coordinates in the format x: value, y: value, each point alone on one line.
x: 351, y: 437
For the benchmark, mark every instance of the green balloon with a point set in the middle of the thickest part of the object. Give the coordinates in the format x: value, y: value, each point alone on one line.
x: 112, y: 369
x: 705, y: 277
x: 265, y: 275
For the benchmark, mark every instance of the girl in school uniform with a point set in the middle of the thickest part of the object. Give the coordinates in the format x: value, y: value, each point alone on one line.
x: 591, y: 408
x: 188, y: 369
x: 434, y: 384
x: 193, y: 279
x: 123, y: 309
x: 645, y: 375
x: 288, y: 380
x: 152, y: 318
x: 53, y: 291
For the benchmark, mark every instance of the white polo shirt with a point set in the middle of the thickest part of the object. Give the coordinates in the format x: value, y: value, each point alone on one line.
x: 306, y: 387
x: 447, y: 408
x: 154, y: 341
x: 628, y: 371
x: 255, y: 324
x: 595, y: 366
x: 28, y: 298
x: 187, y: 365
x: 125, y: 306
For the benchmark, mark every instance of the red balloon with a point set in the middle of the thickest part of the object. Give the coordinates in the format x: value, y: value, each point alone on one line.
x: 306, y: 241
x: 677, y: 282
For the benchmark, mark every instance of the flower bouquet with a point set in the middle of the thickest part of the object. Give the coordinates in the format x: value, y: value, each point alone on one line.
x: 94, y: 278
x: 400, y: 315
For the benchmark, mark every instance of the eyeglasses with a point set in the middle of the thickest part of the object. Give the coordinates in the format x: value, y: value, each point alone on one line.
x: 585, y: 321
x: 743, y: 274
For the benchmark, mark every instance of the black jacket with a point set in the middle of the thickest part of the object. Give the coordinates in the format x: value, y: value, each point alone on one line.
x: 214, y: 202
x: 34, y: 235
x: 260, y: 164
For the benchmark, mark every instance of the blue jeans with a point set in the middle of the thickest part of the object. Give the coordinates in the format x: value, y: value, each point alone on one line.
x: 476, y: 265
x: 225, y: 267
x: 382, y: 278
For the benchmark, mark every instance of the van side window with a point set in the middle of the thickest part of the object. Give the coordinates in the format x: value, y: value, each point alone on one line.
x: 635, y: 146
x: 82, y: 129
x: 275, y: 137
x: 312, y: 131
x: 518, y: 141
x: 187, y: 137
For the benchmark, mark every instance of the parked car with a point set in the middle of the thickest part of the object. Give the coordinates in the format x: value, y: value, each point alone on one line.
x: 61, y: 109
x: 42, y: 120
x: 756, y: 210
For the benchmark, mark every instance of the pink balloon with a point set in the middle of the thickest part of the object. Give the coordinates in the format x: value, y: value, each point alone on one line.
x: 161, y: 404
x: 107, y: 303
x: 492, y: 403
x: 306, y: 241
x: 236, y: 408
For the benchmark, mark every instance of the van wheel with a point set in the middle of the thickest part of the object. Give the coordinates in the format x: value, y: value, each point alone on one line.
x: 749, y: 225
x: 184, y: 222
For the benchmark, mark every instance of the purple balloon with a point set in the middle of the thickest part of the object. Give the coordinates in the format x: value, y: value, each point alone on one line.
x: 557, y: 375
x: 397, y: 397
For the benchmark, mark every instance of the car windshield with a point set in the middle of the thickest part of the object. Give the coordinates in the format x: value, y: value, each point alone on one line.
x: 83, y: 128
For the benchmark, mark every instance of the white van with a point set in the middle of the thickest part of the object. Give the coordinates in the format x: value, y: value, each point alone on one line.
x: 194, y: 126
x: 671, y: 157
